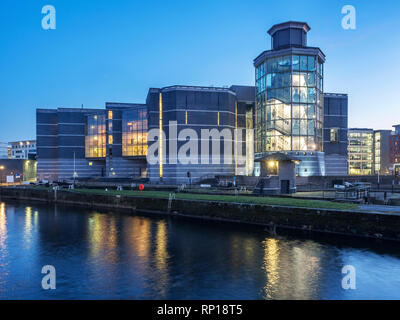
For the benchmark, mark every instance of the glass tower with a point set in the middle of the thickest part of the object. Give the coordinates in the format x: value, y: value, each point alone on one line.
x: 289, y: 94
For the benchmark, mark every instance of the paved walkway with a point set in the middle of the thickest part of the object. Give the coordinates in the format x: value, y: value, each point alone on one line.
x: 395, y: 210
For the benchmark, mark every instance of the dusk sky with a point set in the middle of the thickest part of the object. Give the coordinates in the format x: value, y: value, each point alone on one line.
x: 105, y: 50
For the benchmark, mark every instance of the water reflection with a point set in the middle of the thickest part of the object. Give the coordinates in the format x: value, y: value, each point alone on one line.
x: 161, y: 257
x: 28, y: 225
x: 103, y: 237
x: 297, y: 265
x: 139, y: 238
x: 110, y: 255
x: 271, y: 265
x: 3, y: 227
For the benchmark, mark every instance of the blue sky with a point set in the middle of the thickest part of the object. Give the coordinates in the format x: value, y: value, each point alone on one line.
x: 105, y: 50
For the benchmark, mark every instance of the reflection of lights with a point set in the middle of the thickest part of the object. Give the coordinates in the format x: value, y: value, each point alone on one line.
x: 161, y: 257
x: 141, y: 237
x: 28, y: 224
x: 103, y: 236
x: 271, y: 261
x: 161, y: 246
x: 3, y: 226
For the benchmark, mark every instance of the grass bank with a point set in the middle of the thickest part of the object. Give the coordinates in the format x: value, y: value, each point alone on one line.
x: 288, y: 202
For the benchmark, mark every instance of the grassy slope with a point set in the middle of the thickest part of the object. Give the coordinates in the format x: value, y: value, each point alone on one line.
x: 228, y: 198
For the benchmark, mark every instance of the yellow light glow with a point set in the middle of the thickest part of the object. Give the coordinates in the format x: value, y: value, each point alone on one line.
x: 271, y: 164
x: 110, y: 115
x: 236, y: 138
x: 160, y: 149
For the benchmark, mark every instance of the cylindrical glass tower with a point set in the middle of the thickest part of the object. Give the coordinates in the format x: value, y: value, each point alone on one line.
x: 289, y: 94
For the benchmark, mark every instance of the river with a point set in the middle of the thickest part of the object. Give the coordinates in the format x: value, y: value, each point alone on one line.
x: 110, y: 255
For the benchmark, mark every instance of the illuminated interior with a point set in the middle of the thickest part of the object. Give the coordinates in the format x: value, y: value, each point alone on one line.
x: 134, y: 132
x: 95, y: 138
x: 289, y: 104
x: 377, y: 152
x: 361, y: 152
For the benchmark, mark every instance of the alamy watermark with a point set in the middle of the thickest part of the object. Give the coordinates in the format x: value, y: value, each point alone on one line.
x: 196, y: 150
x: 349, y: 280
x: 49, y: 280
x: 349, y: 20
x: 49, y: 20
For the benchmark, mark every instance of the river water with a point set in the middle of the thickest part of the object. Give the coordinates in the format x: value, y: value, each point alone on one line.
x: 109, y: 255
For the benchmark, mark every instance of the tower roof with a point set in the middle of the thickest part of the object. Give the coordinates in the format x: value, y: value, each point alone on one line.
x: 289, y: 25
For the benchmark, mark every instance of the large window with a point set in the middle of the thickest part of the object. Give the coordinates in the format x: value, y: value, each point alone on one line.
x: 95, y: 139
x: 289, y: 104
x: 134, y: 132
x: 361, y: 152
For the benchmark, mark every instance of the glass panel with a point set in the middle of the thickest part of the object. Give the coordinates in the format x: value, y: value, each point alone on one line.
x: 311, y: 63
x: 95, y: 138
x: 311, y: 95
x: 289, y: 114
x: 311, y: 80
x: 311, y: 128
x: 303, y: 95
x: 303, y: 63
x: 134, y: 132
x: 286, y: 63
x: 296, y: 62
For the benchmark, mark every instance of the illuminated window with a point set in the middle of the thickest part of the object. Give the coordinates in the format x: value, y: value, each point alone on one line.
x: 334, y: 135
x: 288, y: 114
x: 186, y: 117
x: 361, y: 153
x: 95, y: 137
x: 90, y: 164
x: 110, y: 139
x: 110, y: 115
x: 134, y: 132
